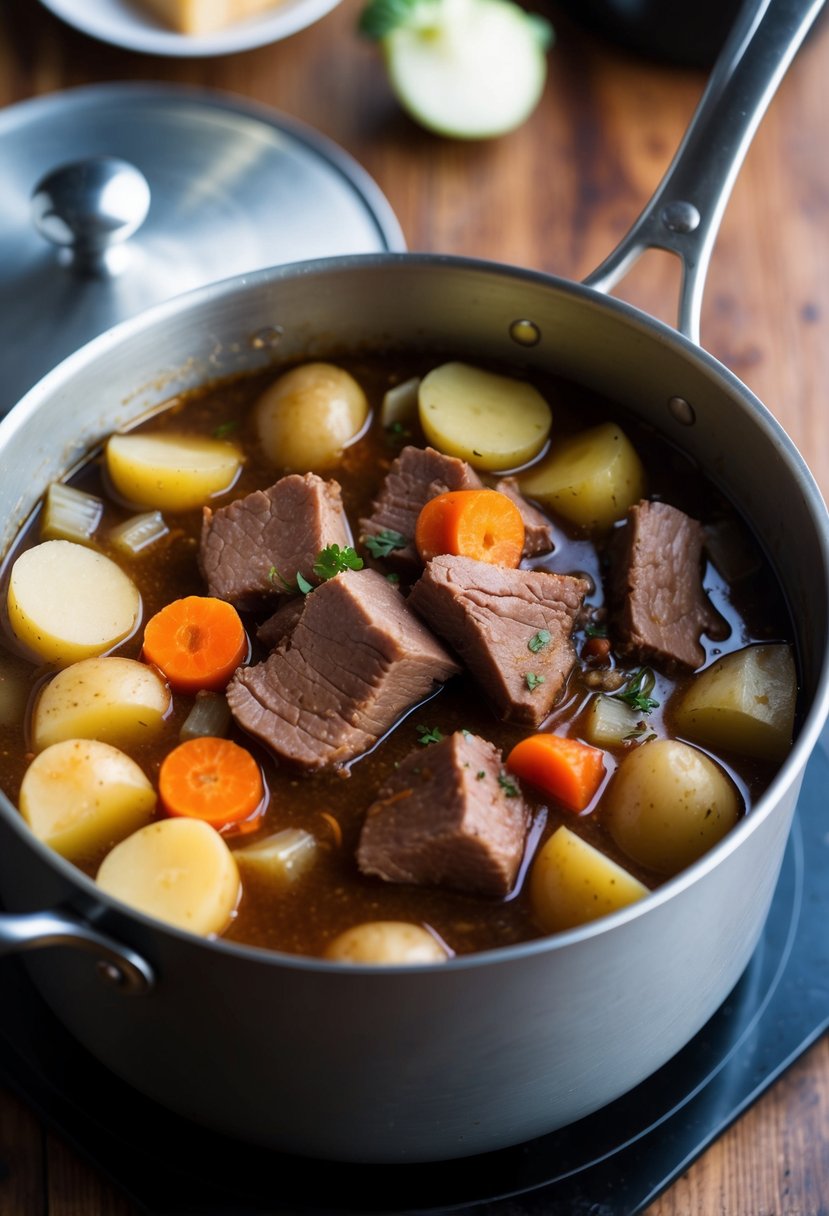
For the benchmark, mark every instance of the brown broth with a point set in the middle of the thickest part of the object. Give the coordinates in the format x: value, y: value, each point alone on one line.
x: 333, y: 895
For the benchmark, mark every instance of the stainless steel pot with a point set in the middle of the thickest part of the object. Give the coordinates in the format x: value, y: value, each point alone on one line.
x: 392, y: 1064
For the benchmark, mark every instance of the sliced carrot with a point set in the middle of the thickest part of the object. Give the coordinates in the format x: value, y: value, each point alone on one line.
x: 198, y: 642
x: 214, y: 780
x: 567, y: 769
x: 483, y: 524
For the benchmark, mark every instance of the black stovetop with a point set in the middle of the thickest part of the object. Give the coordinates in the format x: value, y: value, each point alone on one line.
x: 613, y: 1163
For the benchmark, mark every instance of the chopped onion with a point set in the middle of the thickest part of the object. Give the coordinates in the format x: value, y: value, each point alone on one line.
x: 70, y: 514
x: 609, y: 721
x: 138, y: 532
x: 210, y: 715
x: 400, y: 404
x: 283, y: 857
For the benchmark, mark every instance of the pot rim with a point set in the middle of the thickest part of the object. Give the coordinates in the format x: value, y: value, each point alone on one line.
x: 790, y: 771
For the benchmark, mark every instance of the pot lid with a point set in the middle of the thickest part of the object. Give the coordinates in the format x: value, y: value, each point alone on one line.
x: 115, y: 197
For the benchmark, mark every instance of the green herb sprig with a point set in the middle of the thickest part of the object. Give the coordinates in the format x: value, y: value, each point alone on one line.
x: 637, y: 693
x: 333, y: 560
x: 385, y: 542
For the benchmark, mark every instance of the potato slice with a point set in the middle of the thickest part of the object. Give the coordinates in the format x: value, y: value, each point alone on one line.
x: 67, y: 602
x: 491, y: 421
x: 667, y: 804
x: 386, y: 941
x: 119, y: 701
x: 171, y: 472
x: 745, y: 702
x: 591, y: 478
x: 307, y: 416
x: 571, y: 883
x: 81, y: 796
x: 281, y: 858
x: 177, y: 870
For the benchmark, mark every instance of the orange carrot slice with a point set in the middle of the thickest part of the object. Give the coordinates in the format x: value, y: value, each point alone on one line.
x: 214, y: 780
x: 567, y: 769
x: 483, y: 524
x: 198, y: 642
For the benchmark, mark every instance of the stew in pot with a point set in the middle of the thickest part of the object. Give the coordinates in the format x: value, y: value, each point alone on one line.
x: 387, y: 661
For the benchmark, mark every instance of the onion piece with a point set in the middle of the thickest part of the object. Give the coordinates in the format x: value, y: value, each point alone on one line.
x: 138, y: 532
x: 281, y: 858
x: 70, y: 514
x: 609, y: 722
x: 210, y: 716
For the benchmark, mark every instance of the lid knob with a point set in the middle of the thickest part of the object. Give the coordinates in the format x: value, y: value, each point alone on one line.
x: 88, y: 209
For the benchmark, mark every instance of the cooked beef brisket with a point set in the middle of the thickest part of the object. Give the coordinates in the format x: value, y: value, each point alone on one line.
x: 249, y: 547
x: 538, y: 531
x: 444, y: 818
x: 658, y: 606
x: 280, y: 624
x: 490, y: 615
x: 415, y: 477
x: 354, y: 662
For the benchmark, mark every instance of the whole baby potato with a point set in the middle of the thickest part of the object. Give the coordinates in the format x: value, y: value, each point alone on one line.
x: 667, y: 804
x: 386, y: 941
x: 307, y: 416
x: 171, y: 472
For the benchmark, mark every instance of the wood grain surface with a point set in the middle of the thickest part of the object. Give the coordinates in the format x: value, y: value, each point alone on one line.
x: 555, y: 195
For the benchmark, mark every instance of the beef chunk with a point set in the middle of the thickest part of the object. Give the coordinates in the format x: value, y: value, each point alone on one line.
x: 416, y: 476
x: 354, y: 662
x: 658, y: 606
x: 247, y: 545
x: 490, y: 615
x: 538, y: 531
x: 280, y: 624
x: 444, y: 818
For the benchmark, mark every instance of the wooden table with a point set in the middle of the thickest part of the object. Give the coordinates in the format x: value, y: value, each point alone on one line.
x: 555, y: 195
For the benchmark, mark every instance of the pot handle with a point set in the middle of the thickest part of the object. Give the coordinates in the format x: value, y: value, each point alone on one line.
x: 683, y: 216
x: 118, y: 966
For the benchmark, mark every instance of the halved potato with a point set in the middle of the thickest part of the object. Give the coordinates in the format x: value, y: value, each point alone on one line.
x: 491, y: 421
x: 81, y: 796
x: 67, y: 602
x: 591, y: 478
x: 667, y: 804
x: 386, y: 941
x: 119, y: 701
x: 177, y: 870
x: 571, y: 883
x: 745, y: 702
x: 308, y: 415
x: 171, y: 472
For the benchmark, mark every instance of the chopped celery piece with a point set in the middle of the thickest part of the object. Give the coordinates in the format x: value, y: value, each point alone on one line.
x: 609, y: 722
x: 70, y: 514
x: 282, y: 858
x: 138, y: 532
x: 210, y: 715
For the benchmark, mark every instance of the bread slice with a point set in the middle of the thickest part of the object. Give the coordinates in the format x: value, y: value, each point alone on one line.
x: 205, y: 16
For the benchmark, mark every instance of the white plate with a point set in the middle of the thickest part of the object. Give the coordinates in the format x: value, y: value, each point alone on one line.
x: 124, y: 23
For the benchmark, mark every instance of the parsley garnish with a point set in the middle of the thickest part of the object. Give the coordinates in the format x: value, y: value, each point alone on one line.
x: 429, y: 734
x: 637, y: 693
x: 595, y: 631
x: 303, y: 585
x: 225, y: 428
x: 539, y: 640
x: 509, y: 787
x: 384, y: 542
x: 273, y: 575
x: 533, y: 680
x: 480, y: 774
x: 380, y: 17
x: 333, y: 560
x: 393, y: 578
